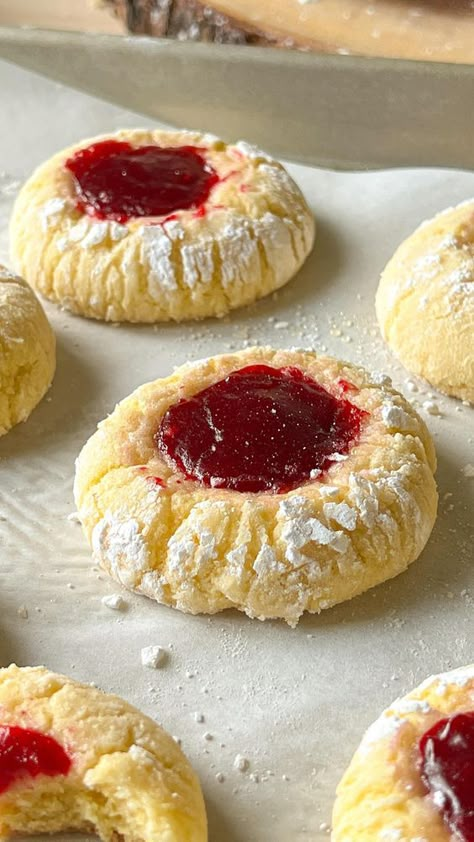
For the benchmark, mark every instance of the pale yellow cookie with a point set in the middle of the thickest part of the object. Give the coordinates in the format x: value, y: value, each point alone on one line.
x: 27, y: 351
x: 101, y: 765
x: 385, y: 794
x: 248, y: 237
x: 425, y: 301
x: 357, y: 518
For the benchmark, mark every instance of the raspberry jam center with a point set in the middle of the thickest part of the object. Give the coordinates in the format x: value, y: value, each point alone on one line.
x: 447, y: 768
x: 117, y: 181
x: 28, y: 753
x: 259, y: 429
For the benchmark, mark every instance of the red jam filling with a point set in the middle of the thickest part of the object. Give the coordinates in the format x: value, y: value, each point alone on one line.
x: 259, y: 429
x: 28, y: 753
x: 346, y: 386
x: 117, y: 181
x: 447, y: 768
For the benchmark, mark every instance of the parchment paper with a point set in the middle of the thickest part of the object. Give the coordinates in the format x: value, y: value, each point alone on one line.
x: 294, y: 702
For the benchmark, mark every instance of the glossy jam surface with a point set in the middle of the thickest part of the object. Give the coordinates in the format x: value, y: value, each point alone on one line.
x: 259, y: 429
x: 28, y: 753
x: 117, y: 181
x: 447, y: 768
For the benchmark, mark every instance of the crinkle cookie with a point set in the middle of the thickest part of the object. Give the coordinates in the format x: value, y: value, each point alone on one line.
x: 411, y: 778
x: 425, y: 301
x: 27, y: 351
x: 148, y: 226
x: 75, y: 759
x: 275, y: 482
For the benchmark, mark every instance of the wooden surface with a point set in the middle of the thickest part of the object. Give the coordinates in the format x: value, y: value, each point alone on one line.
x: 441, y: 30
x: 436, y: 30
x: 81, y: 15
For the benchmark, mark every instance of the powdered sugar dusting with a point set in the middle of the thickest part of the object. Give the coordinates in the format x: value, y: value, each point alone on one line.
x: 384, y: 728
x: 391, y: 720
x: 456, y: 678
x: 266, y: 562
x: 194, y: 543
x: 198, y: 262
x: 405, y: 706
x: 363, y: 495
x: 95, y: 235
x: 117, y: 231
x: 141, y: 756
x: 275, y: 238
x: 174, y: 229
x: 238, y: 250
x: 51, y: 208
x: 300, y: 529
x: 79, y: 230
x: 118, y: 542
x: 342, y: 514
x: 446, y: 270
x: 89, y: 233
x: 157, y: 254
x: 250, y: 151
x: 394, y: 417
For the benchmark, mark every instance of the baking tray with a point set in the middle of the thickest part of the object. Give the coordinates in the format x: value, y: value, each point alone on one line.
x: 294, y: 702
x: 337, y: 111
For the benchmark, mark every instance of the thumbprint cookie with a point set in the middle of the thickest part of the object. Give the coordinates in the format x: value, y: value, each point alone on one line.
x: 425, y: 301
x: 150, y: 226
x: 275, y: 482
x: 411, y: 778
x: 27, y: 351
x: 75, y: 759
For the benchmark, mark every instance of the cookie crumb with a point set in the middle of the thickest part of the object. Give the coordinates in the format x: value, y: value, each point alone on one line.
x: 199, y: 717
x: 468, y: 471
x: 220, y: 778
x: 431, y: 408
x: 207, y: 736
x: 74, y: 517
x: 241, y: 763
x: 114, y: 601
x: 23, y: 612
x: 153, y: 657
x: 141, y: 755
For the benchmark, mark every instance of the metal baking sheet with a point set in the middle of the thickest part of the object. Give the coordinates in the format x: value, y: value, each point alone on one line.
x: 294, y: 702
x: 337, y: 111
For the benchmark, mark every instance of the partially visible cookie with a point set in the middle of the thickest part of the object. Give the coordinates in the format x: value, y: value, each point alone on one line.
x: 411, y: 777
x: 150, y: 226
x: 27, y: 351
x: 425, y: 301
x: 75, y: 759
x: 272, y: 481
